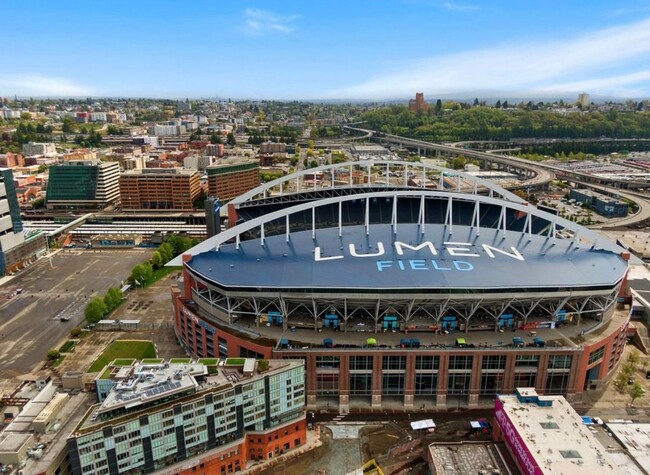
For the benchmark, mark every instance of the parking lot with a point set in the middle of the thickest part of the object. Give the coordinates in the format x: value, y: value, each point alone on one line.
x: 30, y: 322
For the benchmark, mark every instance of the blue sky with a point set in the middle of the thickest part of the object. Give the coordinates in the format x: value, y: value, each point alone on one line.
x: 313, y: 49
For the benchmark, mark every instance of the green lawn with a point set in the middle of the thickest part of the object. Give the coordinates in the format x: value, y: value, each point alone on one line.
x: 161, y: 274
x: 235, y: 361
x: 180, y: 360
x: 152, y: 361
x: 126, y: 349
x: 208, y: 361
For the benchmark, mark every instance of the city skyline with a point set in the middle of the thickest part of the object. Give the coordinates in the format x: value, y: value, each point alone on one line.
x: 333, y: 51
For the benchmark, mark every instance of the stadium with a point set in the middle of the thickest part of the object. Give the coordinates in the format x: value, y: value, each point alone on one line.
x: 407, y: 284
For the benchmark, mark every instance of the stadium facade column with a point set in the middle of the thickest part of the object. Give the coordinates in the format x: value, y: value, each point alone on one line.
x: 187, y: 280
x: 443, y: 377
x: 572, y: 386
x: 377, y: 380
x: 310, y: 379
x: 475, y: 381
x: 542, y: 371
x: 409, y: 382
x: 344, y: 383
x: 509, y: 374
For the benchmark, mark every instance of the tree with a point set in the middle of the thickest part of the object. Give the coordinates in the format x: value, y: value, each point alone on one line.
x: 633, y: 358
x: 141, y: 273
x: 113, y: 299
x: 75, y: 333
x: 215, y: 138
x: 166, y: 252
x: 53, y: 355
x: 68, y: 125
x: 95, y: 310
x: 498, y: 104
x: 621, y: 381
x: 438, y: 108
x: 262, y: 365
x: 231, y: 139
x: 637, y: 391
x: 156, y: 260
x: 476, y: 103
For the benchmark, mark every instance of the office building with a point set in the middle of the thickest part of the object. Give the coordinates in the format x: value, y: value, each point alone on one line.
x: 17, y: 249
x: 600, y: 203
x: 232, y: 176
x: 188, y: 416
x: 159, y: 189
x: 35, y: 148
x: 83, y: 185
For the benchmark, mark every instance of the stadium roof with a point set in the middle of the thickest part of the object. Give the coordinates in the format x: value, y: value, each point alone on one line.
x: 384, y: 258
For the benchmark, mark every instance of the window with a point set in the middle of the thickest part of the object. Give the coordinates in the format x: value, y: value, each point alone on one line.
x: 556, y: 383
x: 394, y: 362
x: 360, y: 363
x: 526, y: 361
x: 491, y: 383
x: 460, y: 362
x: 525, y: 380
x: 458, y: 383
x: 560, y: 362
x: 427, y: 362
x: 327, y: 362
x: 327, y: 383
x: 494, y: 362
x: 596, y: 355
x: 393, y: 383
x: 426, y: 383
x: 361, y: 384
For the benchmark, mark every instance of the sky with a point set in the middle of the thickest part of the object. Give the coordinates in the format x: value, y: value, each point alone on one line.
x: 331, y: 50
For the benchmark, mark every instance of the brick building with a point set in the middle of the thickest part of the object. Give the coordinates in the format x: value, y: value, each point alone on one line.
x: 159, y: 188
x: 232, y: 176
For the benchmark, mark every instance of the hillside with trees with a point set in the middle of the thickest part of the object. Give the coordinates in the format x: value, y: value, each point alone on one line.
x: 455, y: 122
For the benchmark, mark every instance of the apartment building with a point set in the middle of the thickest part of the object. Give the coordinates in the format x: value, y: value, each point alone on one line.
x: 188, y: 416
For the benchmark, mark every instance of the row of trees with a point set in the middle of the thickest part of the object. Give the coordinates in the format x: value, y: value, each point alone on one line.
x: 99, y: 307
x: 482, y: 123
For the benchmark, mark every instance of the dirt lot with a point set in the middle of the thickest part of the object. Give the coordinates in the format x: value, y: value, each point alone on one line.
x: 394, y: 446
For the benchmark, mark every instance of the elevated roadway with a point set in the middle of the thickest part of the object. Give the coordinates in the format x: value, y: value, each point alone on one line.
x: 540, y: 174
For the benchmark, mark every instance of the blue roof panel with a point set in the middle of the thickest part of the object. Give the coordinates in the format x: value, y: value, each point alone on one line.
x: 409, y: 259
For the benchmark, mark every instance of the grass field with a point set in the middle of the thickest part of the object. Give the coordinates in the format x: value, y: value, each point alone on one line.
x: 161, y: 274
x: 137, y: 349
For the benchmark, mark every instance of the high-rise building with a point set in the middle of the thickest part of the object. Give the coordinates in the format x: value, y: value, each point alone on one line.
x: 16, y: 249
x: 417, y: 103
x: 177, y: 416
x: 159, y: 188
x: 83, y: 184
x: 583, y: 99
x: 232, y: 176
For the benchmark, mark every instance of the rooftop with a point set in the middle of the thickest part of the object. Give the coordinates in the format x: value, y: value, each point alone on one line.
x: 142, y: 386
x: 555, y: 435
x: 469, y: 457
x: 635, y: 438
x: 408, y: 260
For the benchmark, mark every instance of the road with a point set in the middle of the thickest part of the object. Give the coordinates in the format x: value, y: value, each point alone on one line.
x: 30, y: 322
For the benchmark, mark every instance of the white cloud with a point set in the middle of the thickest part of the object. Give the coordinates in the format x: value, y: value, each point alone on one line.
x: 259, y: 22
x: 520, y: 66
x: 460, y: 7
x: 36, y: 85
